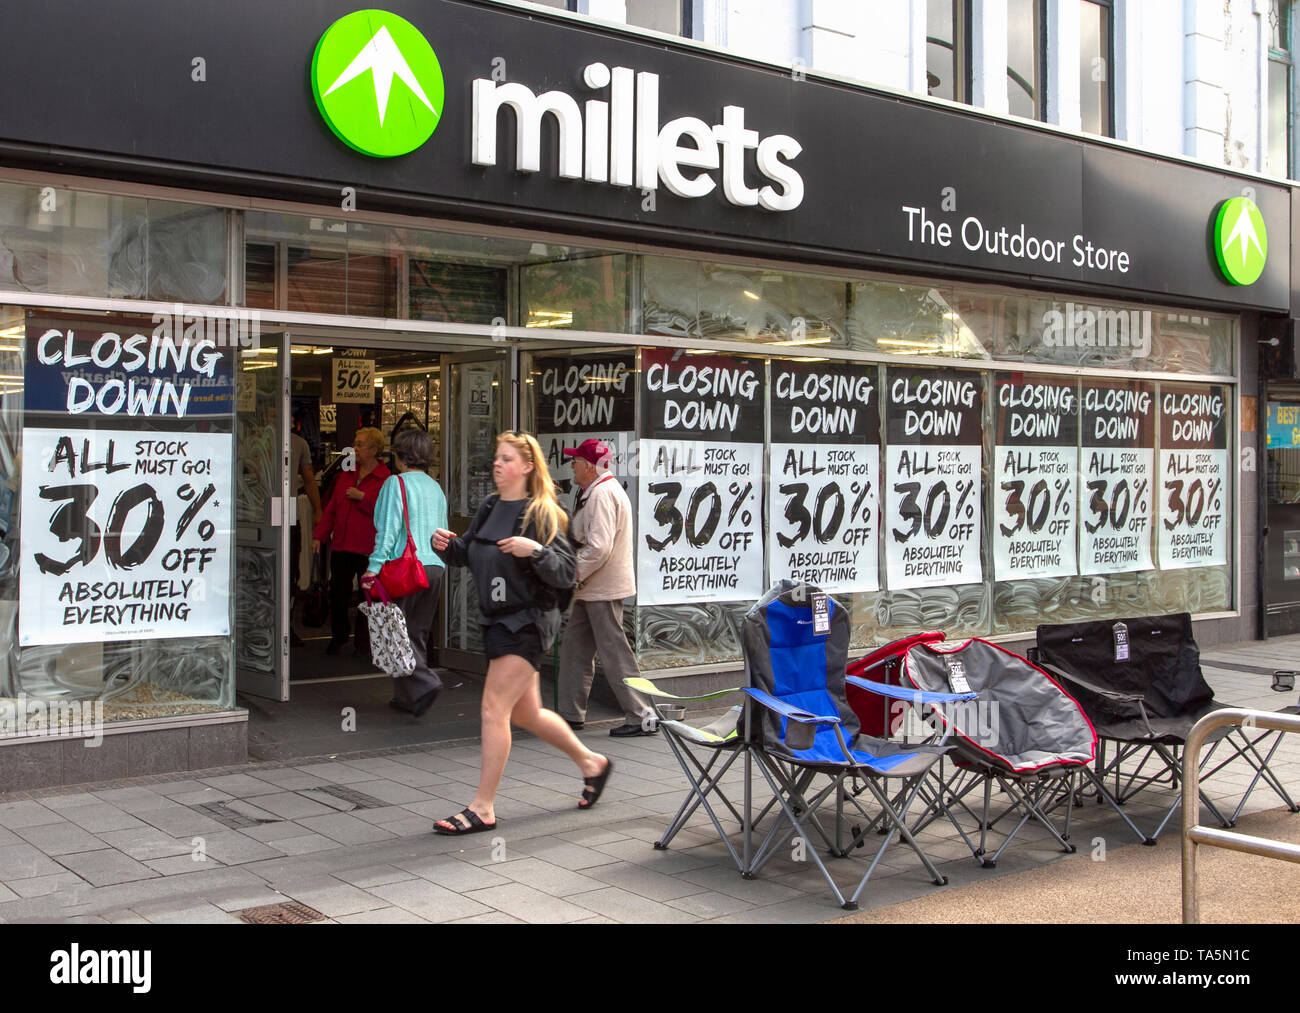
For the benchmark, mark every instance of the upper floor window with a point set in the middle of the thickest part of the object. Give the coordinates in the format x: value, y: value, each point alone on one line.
x: 1096, y: 57
x: 1279, y: 89
x: 947, y: 51
x: 1026, y: 25
x: 672, y: 17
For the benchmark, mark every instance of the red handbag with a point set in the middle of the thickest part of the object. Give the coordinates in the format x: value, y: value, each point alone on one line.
x: 405, y: 574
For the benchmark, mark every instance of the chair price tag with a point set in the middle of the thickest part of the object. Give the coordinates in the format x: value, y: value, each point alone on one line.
x: 957, y: 676
x: 1121, y: 641
x: 821, y: 610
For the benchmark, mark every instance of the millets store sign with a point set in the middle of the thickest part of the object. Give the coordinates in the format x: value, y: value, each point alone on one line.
x: 521, y: 119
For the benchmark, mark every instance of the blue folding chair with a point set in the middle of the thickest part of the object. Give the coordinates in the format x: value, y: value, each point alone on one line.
x: 800, y: 726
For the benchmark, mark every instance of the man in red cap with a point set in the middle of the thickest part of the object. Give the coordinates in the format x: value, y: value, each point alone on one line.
x: 601, y: 529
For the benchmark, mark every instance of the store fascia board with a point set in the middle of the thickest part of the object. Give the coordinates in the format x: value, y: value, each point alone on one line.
x: 722, y: 152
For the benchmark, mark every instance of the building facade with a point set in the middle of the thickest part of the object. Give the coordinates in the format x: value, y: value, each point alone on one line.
x: 963, y: 370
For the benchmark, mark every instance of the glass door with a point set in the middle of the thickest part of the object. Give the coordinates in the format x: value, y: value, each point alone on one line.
x: 263, y: 515
x: 479, y: 405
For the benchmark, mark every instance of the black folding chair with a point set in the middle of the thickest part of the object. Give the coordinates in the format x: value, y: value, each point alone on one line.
x: 1139, y: 681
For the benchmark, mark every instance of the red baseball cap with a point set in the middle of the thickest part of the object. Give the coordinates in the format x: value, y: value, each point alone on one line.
x: 592, y: 451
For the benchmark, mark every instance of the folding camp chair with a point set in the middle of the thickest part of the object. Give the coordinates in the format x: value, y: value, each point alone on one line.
x: 877, y: 713
x: 799, y: 726
x: 1262, y: 770
x: 1023, y: 733
x: 719, y: 740
x: 1140, y: 683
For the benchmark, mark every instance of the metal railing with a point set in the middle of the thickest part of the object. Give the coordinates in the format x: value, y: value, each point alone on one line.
x: 1194, y: 834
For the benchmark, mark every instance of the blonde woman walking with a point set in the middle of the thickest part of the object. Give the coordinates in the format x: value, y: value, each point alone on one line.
x: 518, y: 553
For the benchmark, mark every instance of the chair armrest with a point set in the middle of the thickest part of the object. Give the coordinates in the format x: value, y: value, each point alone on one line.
x: 793, y: 713
x: 647, y: 687
x: 1079, y: 680
x: 902, y: 693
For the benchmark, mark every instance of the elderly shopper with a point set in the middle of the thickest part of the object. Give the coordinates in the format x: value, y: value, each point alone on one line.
x: 348, y: 527
x: 602, y: 530
x: 412, y: 495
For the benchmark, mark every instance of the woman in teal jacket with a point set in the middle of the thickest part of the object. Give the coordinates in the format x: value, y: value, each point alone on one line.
x: 427, y: 508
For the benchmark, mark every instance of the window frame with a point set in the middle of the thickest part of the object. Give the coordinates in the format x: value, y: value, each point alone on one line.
x: 963, y: 84
x: 1039, y: 94
x: 1109, y: 7
x: 1284, y: 58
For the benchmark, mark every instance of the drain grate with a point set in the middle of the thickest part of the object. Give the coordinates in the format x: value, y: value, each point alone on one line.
x: 232, y: 818
x: 288, y: 913
x: 345, y: 794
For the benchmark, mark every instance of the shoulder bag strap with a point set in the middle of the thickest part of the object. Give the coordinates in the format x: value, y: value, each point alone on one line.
x: 405, y: 516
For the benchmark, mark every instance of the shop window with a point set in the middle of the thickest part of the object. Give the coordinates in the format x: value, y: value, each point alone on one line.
x: 947, y: 49
x: 259, y: 276
x: 76, y: 243
x: 1280, y: 72
x: 684, y: 298
x: 1096, y: 58
x: 317, y: 280
x: 909, y: 320
x: 1014, y: 327
x: 1026, y: 23
x: 112, y: 624
x: 461, y: 292
x: 329, y: 266
x: 585, y: 294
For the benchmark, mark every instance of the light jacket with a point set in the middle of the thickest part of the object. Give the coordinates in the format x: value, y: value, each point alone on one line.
x: 603, y: 527
x: 427, y: 506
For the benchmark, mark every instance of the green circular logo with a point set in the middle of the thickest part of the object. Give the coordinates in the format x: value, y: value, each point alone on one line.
x: 377, y: 83
x: 1240, y: 241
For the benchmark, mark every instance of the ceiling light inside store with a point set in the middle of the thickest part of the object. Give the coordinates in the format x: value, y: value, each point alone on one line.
x: 752, y: 295
x: 322, y: 351
x: 379, y: 382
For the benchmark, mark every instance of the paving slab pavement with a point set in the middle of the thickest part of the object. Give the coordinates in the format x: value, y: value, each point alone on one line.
x: 348, y: 836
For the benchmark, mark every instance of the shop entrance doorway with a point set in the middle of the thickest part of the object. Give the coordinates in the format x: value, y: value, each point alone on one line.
x: 301, y: 404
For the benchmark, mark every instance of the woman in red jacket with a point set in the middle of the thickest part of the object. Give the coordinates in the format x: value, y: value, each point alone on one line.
x: 348, y: 525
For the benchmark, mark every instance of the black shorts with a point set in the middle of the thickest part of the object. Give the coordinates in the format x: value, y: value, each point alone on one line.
x: 525, y: 643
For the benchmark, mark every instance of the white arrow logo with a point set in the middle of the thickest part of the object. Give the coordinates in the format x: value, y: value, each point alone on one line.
x: 384, y: 60
x: 1243, y: 230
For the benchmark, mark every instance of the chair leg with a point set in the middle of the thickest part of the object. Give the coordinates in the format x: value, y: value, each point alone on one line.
x: 1262, y: 770
x: 767, y: 849
x: 899, y: 821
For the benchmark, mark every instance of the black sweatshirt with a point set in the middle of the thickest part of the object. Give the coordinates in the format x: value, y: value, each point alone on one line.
x: 513, y: 591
